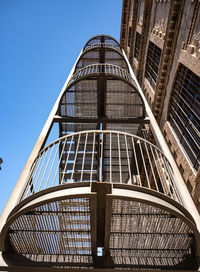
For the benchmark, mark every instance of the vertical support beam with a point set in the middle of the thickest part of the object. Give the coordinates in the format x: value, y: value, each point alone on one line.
x: 102, y: 189
x: 21, y: 184
x: 160, y: 140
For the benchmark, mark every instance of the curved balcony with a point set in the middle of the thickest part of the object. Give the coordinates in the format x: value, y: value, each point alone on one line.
x: 102, y: 199
x: 102, y: 93
x: 103, y: 38
x: 105, y: 68
x: 104, y: 45
x: 101, y: 53
x: 102, y: 156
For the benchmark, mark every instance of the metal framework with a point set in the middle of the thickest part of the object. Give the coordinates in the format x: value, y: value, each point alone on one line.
x: 101, y: 196
x: 152, y: 64
x: 184, y: 112
x: 137, y: 45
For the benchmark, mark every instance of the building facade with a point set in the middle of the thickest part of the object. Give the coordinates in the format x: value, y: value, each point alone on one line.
x: 162, y: 41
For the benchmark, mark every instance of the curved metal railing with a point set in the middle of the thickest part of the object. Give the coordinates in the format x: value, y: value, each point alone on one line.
x: 99, y: 45
x: 104, y: 156
x: 105, y: 68
x: 99, y: 36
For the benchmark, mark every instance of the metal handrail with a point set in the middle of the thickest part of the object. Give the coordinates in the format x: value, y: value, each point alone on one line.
x: 105, y: 68
x: 102, y: 156
x: 101, y: 35
x: 99, y: 45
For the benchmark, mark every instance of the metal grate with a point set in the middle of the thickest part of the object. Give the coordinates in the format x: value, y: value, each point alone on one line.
x: 152, y: 63
x: 60, y: 228
x: 137, y: 45
x: 102, y: 53
x: 110, y: 98
x: 145, y: 236
x: 184, y: 112
x: 102, y: 39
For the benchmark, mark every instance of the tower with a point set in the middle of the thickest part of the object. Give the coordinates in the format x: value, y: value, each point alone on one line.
x: 100, y: 195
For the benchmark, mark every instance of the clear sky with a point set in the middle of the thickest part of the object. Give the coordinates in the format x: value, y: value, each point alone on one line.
x: 40, y: 41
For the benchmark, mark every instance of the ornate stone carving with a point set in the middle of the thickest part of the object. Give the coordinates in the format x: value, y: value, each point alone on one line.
x: 160, y: 20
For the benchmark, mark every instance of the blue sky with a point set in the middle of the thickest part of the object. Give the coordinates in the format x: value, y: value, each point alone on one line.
x: 40, y: 41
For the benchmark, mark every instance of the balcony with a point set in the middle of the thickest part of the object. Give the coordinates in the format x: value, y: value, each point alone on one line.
x: 104, y: 191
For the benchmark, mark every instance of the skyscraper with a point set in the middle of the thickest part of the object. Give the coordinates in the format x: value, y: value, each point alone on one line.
x: 95, y: 193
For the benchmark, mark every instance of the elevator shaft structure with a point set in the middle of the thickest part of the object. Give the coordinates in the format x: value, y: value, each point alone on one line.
x: 100, y: 195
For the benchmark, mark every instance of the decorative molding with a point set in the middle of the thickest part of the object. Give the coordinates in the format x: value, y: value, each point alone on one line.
x: 159, y: 28
x: 191, y: 61
x: 157, y: 41
x: 192, y: 35
x: 125, y: 24
x: 172, y: 32
x: 139, y: 29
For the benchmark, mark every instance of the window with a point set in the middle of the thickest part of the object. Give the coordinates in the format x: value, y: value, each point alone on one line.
x: 137, y: 45
x: 184, y: 112
x: 152, y: 64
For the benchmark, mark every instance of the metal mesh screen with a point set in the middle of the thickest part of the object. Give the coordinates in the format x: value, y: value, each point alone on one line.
x: 80, y: 100
x: 100, y: 38
x: 152, y: 63
x: 146, y: 236
x: 184, y: 112
x: 122, y: 100
x: 60, y: 230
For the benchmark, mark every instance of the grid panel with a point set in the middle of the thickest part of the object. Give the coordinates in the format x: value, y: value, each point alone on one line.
x: 122, y: 100
x: 59, y: 228
x: 152, y: 63
x: 99, y: 38
x: 80, y: 100
x: 184, y: 112
x: 137, y: 45
x: 146, y: 236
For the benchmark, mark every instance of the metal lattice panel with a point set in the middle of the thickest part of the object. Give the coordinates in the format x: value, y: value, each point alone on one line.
x: 101, y: 54
x: 57, y: 228
x: 146, y: 236
x: 80, y: 100
x: 102, y: 38
x: 137, y: 45
x: 121, y: 101
x: 152, y: 64
x: 184, y: 112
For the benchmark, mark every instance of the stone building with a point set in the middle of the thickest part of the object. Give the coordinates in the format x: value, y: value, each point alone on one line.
x: 162, y: 41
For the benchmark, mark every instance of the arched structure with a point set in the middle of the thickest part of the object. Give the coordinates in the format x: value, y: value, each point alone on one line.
x: 101, y: 195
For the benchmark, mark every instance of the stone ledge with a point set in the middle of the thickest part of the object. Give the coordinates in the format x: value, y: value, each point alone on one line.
x: 191, y: 61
